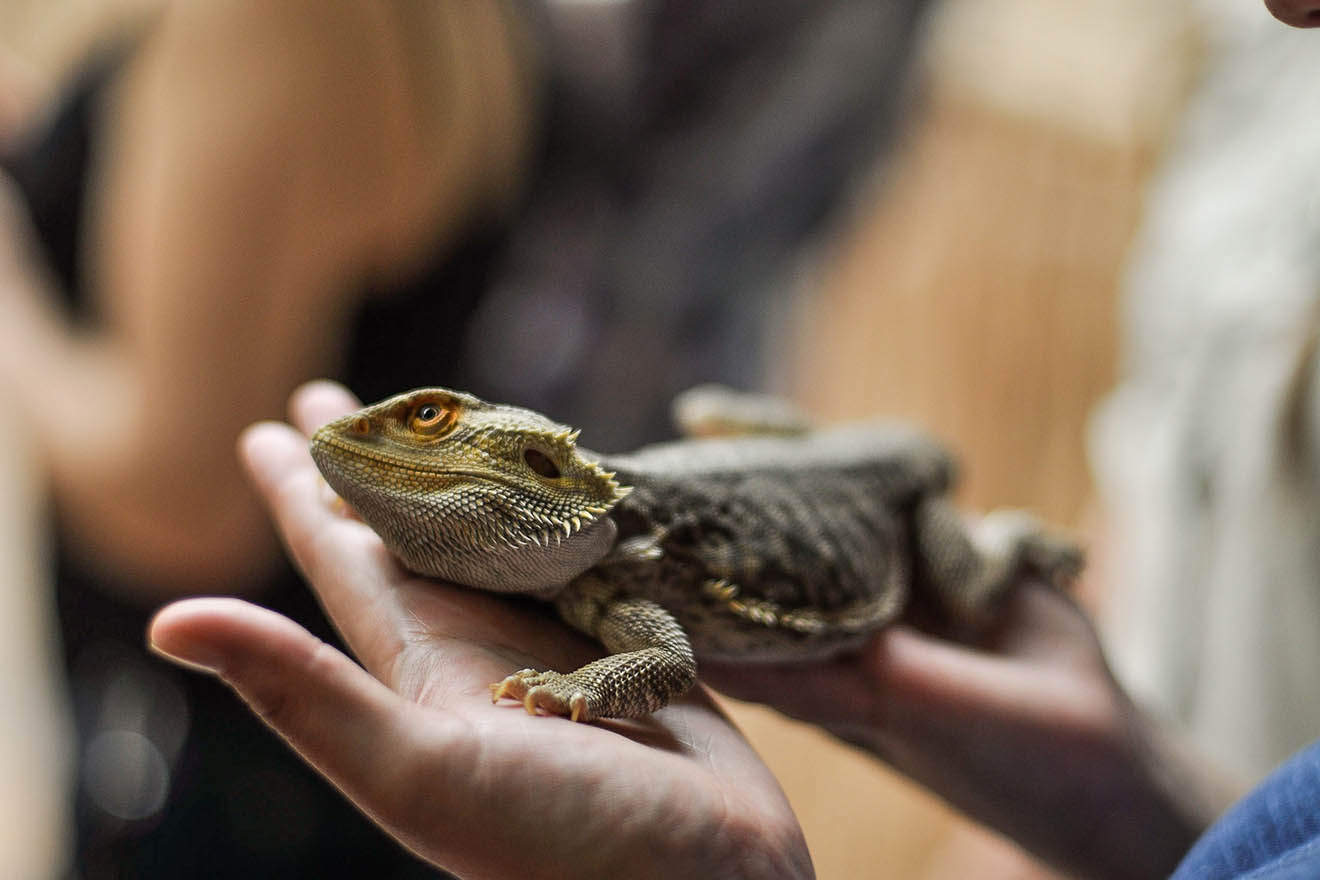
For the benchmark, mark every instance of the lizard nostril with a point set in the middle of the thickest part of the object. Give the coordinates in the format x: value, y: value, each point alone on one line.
x: 360, y: 425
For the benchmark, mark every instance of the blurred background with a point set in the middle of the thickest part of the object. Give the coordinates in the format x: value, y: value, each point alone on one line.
x: 991, y: 217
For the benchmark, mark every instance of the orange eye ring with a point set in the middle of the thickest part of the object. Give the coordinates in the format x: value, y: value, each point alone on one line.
x: 432, y: 419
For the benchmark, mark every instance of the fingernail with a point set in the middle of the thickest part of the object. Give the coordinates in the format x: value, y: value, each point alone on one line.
x: 192, y: 655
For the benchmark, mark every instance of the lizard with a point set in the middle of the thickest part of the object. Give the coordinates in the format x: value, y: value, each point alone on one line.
x: 765, y: 541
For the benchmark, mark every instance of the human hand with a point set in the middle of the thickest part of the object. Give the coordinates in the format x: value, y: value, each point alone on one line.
x: 1024, y: 730
x: 413, y: 740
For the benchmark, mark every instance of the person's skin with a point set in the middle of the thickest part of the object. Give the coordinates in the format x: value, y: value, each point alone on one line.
x: 1027, y: 731
x: 257, y: 165
x: 482, y: 790
x: 1298, y: 13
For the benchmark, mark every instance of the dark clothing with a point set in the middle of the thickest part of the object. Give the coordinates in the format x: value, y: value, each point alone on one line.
x: 175, y: 777
x: 671, y: 193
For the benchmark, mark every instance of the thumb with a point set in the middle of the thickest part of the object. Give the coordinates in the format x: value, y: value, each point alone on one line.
x: 337, y: 716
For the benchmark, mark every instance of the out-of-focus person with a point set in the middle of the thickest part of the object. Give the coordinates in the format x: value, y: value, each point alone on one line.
x: 582, y: 205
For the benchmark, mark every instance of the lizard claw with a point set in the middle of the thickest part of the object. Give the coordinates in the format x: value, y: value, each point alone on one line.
x: 544, y: 692
x: 551, y: 700
x: 514, y: 686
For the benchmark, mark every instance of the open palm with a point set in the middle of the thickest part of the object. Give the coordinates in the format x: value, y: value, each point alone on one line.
x: 413, y: 739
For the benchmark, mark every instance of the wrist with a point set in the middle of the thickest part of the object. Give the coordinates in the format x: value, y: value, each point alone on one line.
x: 1104, y: 794
x: 1148, y: 799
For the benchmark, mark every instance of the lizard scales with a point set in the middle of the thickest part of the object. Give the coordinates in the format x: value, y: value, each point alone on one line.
x: 778, y: 544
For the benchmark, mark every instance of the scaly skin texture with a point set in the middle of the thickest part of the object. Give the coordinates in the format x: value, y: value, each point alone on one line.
x: 766, y: 542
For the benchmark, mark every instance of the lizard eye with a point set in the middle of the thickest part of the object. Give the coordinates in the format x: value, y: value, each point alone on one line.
x: 541, y: 463
x: 431, y: 418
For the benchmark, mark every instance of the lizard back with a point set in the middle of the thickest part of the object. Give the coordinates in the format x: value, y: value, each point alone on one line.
x: 760, y: 547
x: 768, y: 545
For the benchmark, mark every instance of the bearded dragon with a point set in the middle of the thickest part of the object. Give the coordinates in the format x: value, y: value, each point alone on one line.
x: 772, y: 543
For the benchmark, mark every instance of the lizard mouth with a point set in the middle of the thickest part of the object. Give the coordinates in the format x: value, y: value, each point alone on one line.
x: 326, y: 462
x: 330, y: 450
x: 323, y: 440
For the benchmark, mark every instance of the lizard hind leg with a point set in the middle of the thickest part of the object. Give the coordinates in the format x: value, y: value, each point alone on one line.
x: 970, y: 565
x: 719, y: 411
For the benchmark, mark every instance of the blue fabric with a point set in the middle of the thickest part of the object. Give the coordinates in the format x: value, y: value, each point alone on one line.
x: 1271, y: 834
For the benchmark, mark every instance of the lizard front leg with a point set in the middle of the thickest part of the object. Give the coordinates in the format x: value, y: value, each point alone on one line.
x: 650, y: 660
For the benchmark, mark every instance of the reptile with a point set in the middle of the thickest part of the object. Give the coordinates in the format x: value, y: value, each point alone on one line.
x: 763, y: 541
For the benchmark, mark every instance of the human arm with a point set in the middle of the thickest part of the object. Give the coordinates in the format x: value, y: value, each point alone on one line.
x: 255, y: 164
x: 413, y: 739
x: 34, y: 742
x: 1025, y: 731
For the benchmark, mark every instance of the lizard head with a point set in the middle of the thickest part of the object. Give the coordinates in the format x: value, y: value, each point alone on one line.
x: 482, y: 494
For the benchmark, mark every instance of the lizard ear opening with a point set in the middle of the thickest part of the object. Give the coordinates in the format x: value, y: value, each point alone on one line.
x: 541, y: 463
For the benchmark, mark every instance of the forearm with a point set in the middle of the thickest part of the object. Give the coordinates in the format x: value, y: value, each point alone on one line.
x: 237, y: 200
x: 1124, y: 799
x: 150, y: 515
x: 135, y: 437
x: 1133, y: 809
x: 210, y: 303
x: 1026, y: 732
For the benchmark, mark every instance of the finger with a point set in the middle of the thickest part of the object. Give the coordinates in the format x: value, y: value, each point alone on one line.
x: 828, y: 694
x: 343, y: 560
x: 1042, y: 623
x: 904, y: 662
x: 920, y: 675
x: 318, y: 402
x: 375, y: 605
x: 276, y: 459
x: 373, y: 602
x: 339, y: 718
